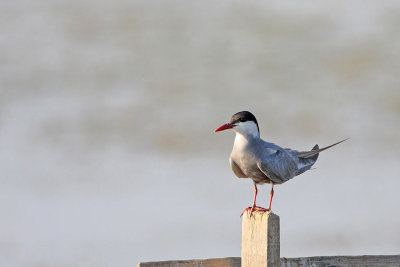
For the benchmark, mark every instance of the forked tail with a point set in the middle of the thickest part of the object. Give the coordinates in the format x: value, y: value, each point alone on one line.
x: 307, y: 154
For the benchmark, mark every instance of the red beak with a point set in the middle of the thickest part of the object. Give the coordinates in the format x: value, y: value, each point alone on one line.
x: 225, y: 127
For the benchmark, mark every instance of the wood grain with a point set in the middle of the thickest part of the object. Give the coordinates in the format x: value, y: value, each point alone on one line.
x: 260, y: 240
x: 222, y: 262
x: 323, y: 261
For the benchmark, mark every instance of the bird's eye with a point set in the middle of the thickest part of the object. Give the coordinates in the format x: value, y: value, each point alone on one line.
x: 242, y: 119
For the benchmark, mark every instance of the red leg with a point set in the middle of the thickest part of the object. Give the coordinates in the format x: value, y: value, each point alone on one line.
x: 255, y: 197
x: 254, y: 207
x: 272, y: 195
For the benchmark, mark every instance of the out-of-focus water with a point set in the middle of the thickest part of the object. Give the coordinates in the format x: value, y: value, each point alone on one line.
x: 107, y: 111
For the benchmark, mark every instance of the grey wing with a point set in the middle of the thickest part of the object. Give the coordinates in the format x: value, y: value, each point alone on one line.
x: 236, y: 169
x: 279, y: 167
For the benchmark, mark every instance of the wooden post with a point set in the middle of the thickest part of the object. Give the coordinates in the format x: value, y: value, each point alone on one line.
x: 260, y: 240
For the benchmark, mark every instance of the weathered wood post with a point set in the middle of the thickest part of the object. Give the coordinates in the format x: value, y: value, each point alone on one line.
x: 260, y: 240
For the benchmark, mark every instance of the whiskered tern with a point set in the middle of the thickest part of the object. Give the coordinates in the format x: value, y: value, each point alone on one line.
x: 264, y: 162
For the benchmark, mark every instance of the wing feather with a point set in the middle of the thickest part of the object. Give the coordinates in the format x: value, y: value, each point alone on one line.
x: 279, y: 167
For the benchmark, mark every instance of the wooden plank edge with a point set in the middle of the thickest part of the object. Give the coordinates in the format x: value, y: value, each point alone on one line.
x: 214, y: 262
x: 363, y: 260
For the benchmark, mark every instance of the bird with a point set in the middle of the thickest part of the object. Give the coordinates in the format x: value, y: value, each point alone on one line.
x: 262, y: 161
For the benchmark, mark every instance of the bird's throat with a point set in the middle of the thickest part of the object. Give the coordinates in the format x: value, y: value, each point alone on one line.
x: 240, y: 142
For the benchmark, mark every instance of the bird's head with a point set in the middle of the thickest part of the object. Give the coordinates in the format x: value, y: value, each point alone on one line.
x: 243, y: 122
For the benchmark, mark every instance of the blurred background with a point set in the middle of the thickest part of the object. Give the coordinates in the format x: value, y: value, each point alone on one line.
x: 107, y: 116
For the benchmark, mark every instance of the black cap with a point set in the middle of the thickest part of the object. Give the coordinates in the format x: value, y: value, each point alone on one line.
x: 244, y: 116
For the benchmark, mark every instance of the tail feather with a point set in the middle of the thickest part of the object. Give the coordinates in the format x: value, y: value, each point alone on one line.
x: 316, y: 150
x: 304, y: 164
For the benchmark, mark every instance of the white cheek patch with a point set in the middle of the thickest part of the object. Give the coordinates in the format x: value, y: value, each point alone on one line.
x: 247, y: 128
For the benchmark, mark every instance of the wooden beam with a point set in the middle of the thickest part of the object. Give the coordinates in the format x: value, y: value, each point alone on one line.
x: 260, y: 240
x: 344, y: 261
x: 221, y: 262
x: 323, y: 261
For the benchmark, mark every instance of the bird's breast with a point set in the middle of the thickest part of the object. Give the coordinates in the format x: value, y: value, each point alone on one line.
x: 247, y: 163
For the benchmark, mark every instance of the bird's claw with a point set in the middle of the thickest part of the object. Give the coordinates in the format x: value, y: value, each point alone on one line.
x: 254, y: 208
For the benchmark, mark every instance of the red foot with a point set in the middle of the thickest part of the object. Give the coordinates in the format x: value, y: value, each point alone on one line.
x: 256, y: 208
